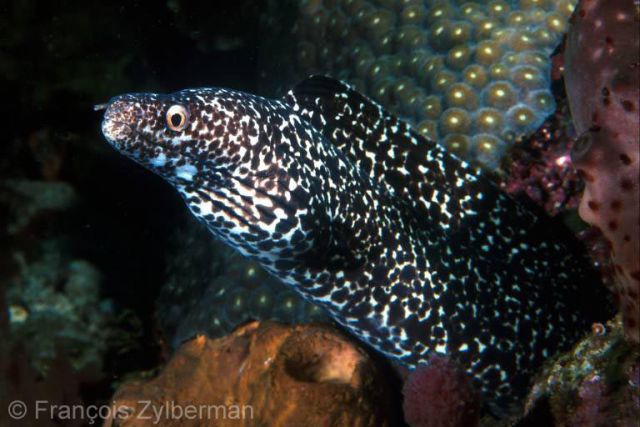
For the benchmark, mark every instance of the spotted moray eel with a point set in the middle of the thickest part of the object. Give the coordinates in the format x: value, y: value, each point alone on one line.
x: 411, y: 249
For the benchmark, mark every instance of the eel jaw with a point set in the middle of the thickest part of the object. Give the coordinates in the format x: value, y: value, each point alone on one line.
x: 119, y: 122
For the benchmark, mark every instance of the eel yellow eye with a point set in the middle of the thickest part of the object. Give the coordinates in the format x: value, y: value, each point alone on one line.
x: 177, y: 117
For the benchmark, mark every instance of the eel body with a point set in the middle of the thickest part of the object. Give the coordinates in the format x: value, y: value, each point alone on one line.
x: 411, y: 249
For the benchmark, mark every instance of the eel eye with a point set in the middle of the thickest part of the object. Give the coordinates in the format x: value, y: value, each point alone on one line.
x: 177, y: 117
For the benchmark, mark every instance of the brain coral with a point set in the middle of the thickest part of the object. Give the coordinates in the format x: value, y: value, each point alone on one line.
x: 603, y: 86
x: 473, y: 75
x: 211, y: 291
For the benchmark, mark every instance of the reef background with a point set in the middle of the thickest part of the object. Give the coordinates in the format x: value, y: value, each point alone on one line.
x: 84, y: 232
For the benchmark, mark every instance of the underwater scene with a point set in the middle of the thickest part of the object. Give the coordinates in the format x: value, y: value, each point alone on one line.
x: 418, y: 213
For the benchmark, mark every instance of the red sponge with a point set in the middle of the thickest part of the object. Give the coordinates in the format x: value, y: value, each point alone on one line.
x: 440, y: 395
x: 603, y: 86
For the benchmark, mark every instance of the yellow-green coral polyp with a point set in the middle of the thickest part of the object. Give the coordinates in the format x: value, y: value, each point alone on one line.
x: 451, y: 67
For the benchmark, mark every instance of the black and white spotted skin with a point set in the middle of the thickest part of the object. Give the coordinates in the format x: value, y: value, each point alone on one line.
x: 408, y: 247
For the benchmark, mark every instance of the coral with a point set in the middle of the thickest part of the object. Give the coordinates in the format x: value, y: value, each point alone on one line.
x: 603, y: 87
x: 60, y: 386
x: 594, y: 384
x: 264, y: 374
x: 52, y: 298
x: 54, y: 325
x: 440, y: 395
x: 541, y: 167
x: 210, y: 290
x: 471, y: 75
x: 55, y: 303
x: 32, y: 198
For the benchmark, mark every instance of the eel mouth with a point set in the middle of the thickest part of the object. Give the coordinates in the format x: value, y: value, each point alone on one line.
x: 117, y: 132
x: 119, y: 121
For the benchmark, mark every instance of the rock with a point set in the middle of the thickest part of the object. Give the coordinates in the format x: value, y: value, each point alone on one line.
x: 263, y: 374
x: 597, y: 383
